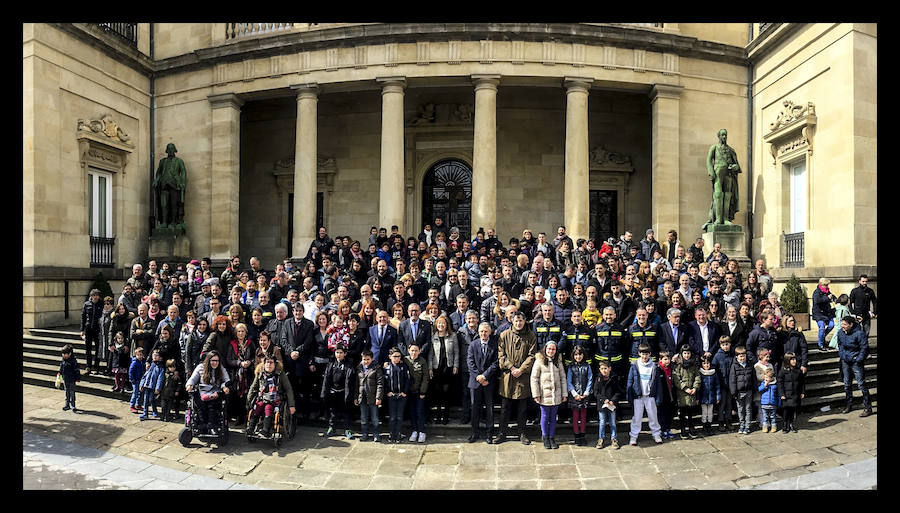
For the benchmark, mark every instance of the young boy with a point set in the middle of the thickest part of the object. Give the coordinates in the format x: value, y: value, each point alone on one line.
x: 371, y: 391
x: 135, y: 374
x: 742, y: 384
x: 763, y: 363
x: 171, y: 385
x: 666, y: 408
x: 418, y: 387
x: 722, y: 362
x: 396, y: 384
x: 644, y: 390
x: 336, y: 387
x: 68, y: 368
x: 151, y: 385
x: 768, y: 401
x: 608, y: 393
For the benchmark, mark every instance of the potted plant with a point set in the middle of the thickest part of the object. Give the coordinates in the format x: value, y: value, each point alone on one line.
x: 795, y: 302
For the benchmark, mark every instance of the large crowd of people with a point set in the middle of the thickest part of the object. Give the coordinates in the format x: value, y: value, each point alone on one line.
x: 550, y: 327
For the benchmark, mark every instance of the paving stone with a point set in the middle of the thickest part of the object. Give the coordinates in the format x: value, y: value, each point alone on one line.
x: 475, y: 485
x: 205, y: 483
x: 92, y: 468
x: 431, y: 484
x: 317, y: 462
x: 515, y: 458
x: 390, y: 483
x: 237, y: 465
x: 728, y: 472
x: 560, y: 484
x: 603, y: 483
x: 691, y: 479
x: 140, y: 446
x: 518, y: 485
x: 645, y: 482
x: 136, y: 484
x: 478, y: 458
x: 754, y: 468
x: 128, y: 463
x: 202, y: 459
x: 441, y: 458
x: 636, y: 467
x: 753, y: 481
x: 845, y: 459
x: 793, y: 472
x: 160, y: 484
x: 436, y: 471
x: 395, y: 469
x: 709, y: 461
x: 548, y: 472
x: 359, y: 465
x: 476, y: 473
x: 603, y: 470
x: 791, y: 460
x: 560, y: 456
x: 344, y: 481
x: 672, y: 465
x: 277, y: 485
x: 171, y: 452
x: 517, y: 473
x: 309, y: 477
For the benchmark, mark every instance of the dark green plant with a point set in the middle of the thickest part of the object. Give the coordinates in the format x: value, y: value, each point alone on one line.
x: 793, y: 299
x: 102, y: 285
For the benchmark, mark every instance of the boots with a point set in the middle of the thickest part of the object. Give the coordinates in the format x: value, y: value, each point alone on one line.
x: 546, y: 440
x: 251, y: 424
x: 553, y: 444
x: 579, y: 440
x: 268, y: 422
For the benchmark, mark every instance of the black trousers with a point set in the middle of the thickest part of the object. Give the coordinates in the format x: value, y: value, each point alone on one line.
x: 337, y: 409
x: 91, y: 339
x: 466, y: 394
x: 483, y: 396
x: 521, y: 407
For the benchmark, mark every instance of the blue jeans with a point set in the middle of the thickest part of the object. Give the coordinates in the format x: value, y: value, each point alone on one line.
x: 548, y: 420
x: 824, y: 330
x: 396, y: 404
x: 135, y: 395
x: 148, y: 399
x: 416, y: 413
x: 768, y: 415
x: 744, y: 401
x: 607, y: 417
x: 368, y: 416
x: 853, y: 370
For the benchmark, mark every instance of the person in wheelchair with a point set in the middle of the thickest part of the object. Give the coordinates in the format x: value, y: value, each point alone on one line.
x: 207, y: 383
x: 270, y: 388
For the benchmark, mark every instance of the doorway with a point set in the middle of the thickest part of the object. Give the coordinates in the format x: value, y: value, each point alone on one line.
x: 447, y: 193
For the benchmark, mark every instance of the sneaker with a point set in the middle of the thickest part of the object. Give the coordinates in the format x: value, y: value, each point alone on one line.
x: 154, y: 415
x: 615, y: 443
x: 414, y: 436
x: 658, y: 440
x: 75, y: 410
x: 377, y: 438
x: 600, y: 443
x: 747, y: 431
x: 129, y: 390
x: 144, y: 417
x: 633, y: 443
x: 524, y: 439
x: 866, y: 413
x: 135, y: 409
x: 786, y: 429
x: 348, y: 435
x: 773, y: 429
x: 329, y: 432
x: 846, y: 409
x: 422, y: 438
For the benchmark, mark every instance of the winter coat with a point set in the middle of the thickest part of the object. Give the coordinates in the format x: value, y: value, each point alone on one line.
x: 710, y: 389
x: 371, y: 383
x: 338, y: 378
x: 282, y: 388
x: 217, y: 381
x: 273, y: 351
x: 853, y: 347
x: 244, y: 376
x: 548, y: 381
x: 396, y: 379
x: 119, y: 358
x: 769, y: 393
x: 791, y: 383
x: 68, y: 368
x: 821, y: 306
x: 154, y: 377
x: 418, y: 374
x: 579, y: 380
x: 763, y: 338
x: 193, y: 348
x: 120, y: 323
x: 171, y: 385
x: 722, y: 362
x: 136, y: 371
x: 516, y: 349
x: 860, y: 300
x: 607, y: 389
x: 686, y: 375
x: 633, y: 387
x: 741, y: 378
x: 451, y: 348
x: 90, y: 315
x: 794, y: 342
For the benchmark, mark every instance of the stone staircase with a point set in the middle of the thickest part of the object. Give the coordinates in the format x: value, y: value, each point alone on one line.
x: 41, y: 356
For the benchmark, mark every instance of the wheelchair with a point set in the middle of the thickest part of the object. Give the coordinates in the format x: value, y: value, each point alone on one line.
x: 192, y: 428
x: 283, y: 426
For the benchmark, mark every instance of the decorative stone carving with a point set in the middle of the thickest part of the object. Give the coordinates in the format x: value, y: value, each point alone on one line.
x: 425, y: 116
x: 443, y: 114
x: 464, y: 112
x: 323, y: 163
x: 792, y: 131
x: 105, y: 126
x: 601, y: 157
x: 791, y: 113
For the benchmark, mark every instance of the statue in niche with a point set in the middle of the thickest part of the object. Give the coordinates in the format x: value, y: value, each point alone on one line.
x: 426, y: 115
x: 722, y: 169
x: 169, y: 184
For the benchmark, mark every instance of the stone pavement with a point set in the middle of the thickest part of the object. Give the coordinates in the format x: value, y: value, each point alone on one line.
x: 826, y: 441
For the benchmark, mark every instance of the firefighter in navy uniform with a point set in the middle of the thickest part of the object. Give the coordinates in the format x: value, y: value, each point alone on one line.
x: 578, y: 334
x: 610, y: 339
x: 643, y: 332
x: 547, y: 328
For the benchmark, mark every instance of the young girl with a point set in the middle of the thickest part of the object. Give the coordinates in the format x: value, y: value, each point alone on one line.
x: 710, y: 393
x: 590, y: 315
x: 791, y: 389
x: 579, y: 379
x: 686, y: 378
x: 170, y: 392
x: 548, y: 388
x: 608, y: 393
x: 337, y: 333
x: 269, y: 388
x: 666, y: 409
x: 119, y: 361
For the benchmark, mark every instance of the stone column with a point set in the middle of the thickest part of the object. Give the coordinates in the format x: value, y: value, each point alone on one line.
x: 224, y: 224
x: 577, y: 189
x: 665, y: 194
x: 484, y: 153
x: 305, y: 167
x: 391, y: 204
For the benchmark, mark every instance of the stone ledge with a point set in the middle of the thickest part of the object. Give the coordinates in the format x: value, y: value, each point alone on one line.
x: 834, y: 273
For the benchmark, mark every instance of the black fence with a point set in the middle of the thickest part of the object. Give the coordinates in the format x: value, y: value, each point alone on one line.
x: 793, y: 249
x: 102, y: 251
x: 125, y: 31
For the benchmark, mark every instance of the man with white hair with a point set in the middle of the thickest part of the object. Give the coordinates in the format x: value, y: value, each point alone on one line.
x: 137, y: 276
x: 481, y: 359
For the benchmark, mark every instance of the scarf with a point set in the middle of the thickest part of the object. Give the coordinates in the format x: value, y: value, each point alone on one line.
x: 823, y: 289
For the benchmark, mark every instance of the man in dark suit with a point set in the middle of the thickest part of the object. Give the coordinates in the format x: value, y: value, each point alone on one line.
x: 298, y: 345
x: 382, y: 336
x: 415, y: 330
x: 466, y: 335
x: 483, y: 369
x: 672, y: 334
x: 458, y: 317
x: 704, y: 335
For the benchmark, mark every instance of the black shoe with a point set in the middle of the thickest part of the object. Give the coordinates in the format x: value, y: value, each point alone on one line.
x: 693, y: 433
x: 465, y: 420
x: 866, y: 412
x: 268, y: 422
x: 553, y: 444
x: 793, y: 428
x: 473, y: 438
x: 722, y: 427
x: 546, y: 441
x: 683, y: 434
x: 499, y: 439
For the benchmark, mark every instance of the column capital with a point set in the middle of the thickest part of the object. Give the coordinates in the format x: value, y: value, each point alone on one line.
x: 665, y: 91
x: 225, y: 100
x: 483, y: 81
x: 577, y: 84
x: 392, y: 84
x: 307, y: 90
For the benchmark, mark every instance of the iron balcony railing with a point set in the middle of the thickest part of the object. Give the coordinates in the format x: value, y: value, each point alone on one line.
x: 793, y: 249
x: 102, y: 251
x: 125, y: 31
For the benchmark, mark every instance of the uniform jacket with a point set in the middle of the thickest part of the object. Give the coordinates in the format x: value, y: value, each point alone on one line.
x: 610, y: 341
x: 482, y: 362
x: 581, y: 335
x: 545, y: 331
x: 516, y: 349
x: 548, y: 381
x: 638, y: 335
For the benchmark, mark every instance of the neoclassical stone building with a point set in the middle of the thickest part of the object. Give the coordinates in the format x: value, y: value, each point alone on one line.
x: 287, y: 126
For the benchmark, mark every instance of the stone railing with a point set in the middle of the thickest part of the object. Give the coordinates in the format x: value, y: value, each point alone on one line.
x: 241, y: 31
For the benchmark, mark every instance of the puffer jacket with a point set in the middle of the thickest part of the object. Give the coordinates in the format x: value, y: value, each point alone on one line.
x: 548, y: 381
x: 154, y: 376
x: 686, y: 375
x: 608, y: 389
x: 821, y: 306
x: 633, y: 387
x: 710, y: 391
x: 791, y: 385
x: 853, y: 347
x: 769, y: 394
x: 579, y: 379
x: 371, y: 384
x: 742, y: 378
x: 418, y: 375
x: 794, y: 342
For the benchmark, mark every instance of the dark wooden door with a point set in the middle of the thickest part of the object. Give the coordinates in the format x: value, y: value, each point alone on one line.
x: 604, y: 220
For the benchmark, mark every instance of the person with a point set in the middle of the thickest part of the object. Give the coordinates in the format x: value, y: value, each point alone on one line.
x: 119, y: 361
x: 763, y: 336
x: 91, y: 311
x: 853, y: 348
x: 672, y: 334
x: 769, y: 400
x: 548, y: 387
x: 841, y: 310
x: 791, y: 340
x: 722, y: 362
x: 171, y: 391
x: 466, y: 334
x: 733, y: 326
x: 337, y: 385
x: 863, y: 303
x: 742, y: 384
x: 703, y: 334
x: 710, y: 393
x: 369, y: 394
x: 443, y: 367
x: 590, y: 315
x: 104, y: 339
x: 642, y: 332
x: 151, y: 385
x: 515, y: 357
x: 396, y: 386
x: 209, y: 378
x: 686, y: 378
x: 135, y: 373
x: 68, y: 369
x: 763, y: 363
x: 822, y: 311
x: 607, y: 390
x: 270, y: 387
x: 610, y: 340
x: 420, y: 375
x: 791, y: 388
x: 666, y: 404
x: 644, y: 389
x: 143, y: 329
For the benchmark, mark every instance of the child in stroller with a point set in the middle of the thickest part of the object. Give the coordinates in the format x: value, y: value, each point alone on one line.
x: 208, y: 381
x: 270, y: 389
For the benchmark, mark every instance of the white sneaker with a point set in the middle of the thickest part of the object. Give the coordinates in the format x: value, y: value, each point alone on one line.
x: 421, y: 438
x: 413, y: 436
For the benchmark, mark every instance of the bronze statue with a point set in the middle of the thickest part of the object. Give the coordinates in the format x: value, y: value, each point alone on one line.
x: 169, y: 184
x: 722, y: 168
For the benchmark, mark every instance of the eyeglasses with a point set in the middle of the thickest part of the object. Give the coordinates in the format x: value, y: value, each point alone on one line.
x: 214, y: 361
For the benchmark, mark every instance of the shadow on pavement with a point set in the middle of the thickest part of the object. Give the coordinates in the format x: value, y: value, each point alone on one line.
x: 50, y: 428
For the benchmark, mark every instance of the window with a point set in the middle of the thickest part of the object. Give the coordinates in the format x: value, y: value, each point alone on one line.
x: 99, y: 203
x: 798, y: 197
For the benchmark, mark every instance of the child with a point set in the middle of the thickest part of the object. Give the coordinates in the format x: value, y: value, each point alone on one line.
x: 710, y: 393
x: 666, y: 409
x: 418, y: 387
x: 768, y: 400
x: 644, y: 391
x: 548, y: 388
x: 760, y: 367
x: 68, y: 369
x: 336, y: 386
x: 579, y: 379
x: 269, y: 386
x: 119, y: 361
x: 396, y: 383
x: 608, y: 393
x: 791, y: 389
x: 591, y: 315
x: 337, y: 333
x: 841, y: 310
x: 722, y: 362
x: 151, y: 385
x: 170, y: 391
x: 135, y: 373
x: 686, y: 377
x: 741, y: 384
x: 371, y: 390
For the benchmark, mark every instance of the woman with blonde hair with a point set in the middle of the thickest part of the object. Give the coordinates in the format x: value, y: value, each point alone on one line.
x: 444, y: 365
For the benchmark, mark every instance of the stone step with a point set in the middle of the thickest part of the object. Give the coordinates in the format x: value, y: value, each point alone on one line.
x: 837, y: 399
x: 69, y: 333
x: 85, y: 386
